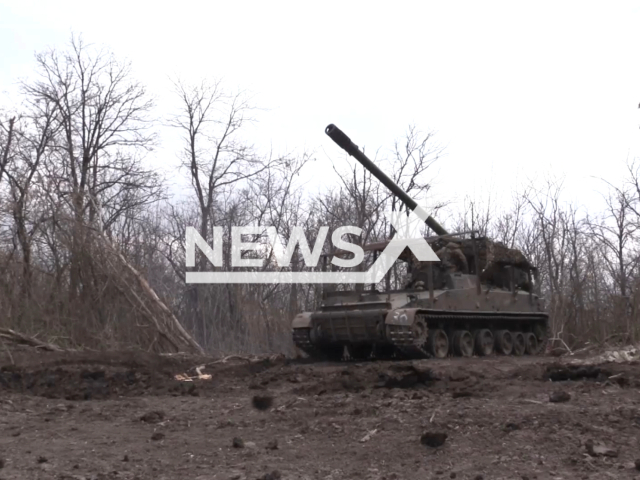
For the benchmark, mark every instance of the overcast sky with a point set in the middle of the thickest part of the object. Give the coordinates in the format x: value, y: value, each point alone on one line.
x: 514, y: 89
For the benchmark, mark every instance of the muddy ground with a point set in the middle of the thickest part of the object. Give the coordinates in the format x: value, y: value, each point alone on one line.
x: 124, y: 416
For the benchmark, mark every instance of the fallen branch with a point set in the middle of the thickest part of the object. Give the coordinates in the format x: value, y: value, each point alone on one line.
x: 585, y: 349
x: 143, y: 297
x: 558, y: 339
x: 8, y: 351
x: 165, y: 322
x: 19, y: 338
x: 233, y: 357
x: 248, y: 359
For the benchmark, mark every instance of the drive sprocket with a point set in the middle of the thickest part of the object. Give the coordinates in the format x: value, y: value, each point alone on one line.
x: 410, y: 340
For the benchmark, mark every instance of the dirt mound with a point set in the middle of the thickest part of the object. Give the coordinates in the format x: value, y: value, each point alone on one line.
x: 621, y: 374
x: 91, y: 384
x: 32, y: 358
x: 104, y: 375
x: 359, y: 378
x: 561, y: 373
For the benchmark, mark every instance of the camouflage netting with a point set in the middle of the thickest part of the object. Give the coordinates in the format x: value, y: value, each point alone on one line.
x: 496, y: 252
x: 458, y: 256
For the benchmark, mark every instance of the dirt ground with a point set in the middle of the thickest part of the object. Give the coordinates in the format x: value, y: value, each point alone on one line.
x: 125, y: 416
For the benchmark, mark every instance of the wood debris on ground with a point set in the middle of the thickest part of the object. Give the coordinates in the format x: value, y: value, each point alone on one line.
x: 200, y: 376
x: 619, y: 355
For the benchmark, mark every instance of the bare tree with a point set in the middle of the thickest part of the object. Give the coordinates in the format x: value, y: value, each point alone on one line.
x: 616, y: 231
x: 412, y: 159
x: 35, y: 139
x: 210, y: 120
x: 73, y: 201
x: 6, y: 138
x: 508, y: 224
x: 221, y: 164
x: 103, y: 116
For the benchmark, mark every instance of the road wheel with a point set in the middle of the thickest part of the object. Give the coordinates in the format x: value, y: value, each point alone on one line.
x: 504, y: 342
x: 484, y: 342
x: 518, y: 344
x: 438, y: 343
x: 462, y: 343
x: 530, y: 343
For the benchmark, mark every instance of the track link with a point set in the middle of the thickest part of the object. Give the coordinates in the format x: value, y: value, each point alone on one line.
x: 405, y: 340
x: 302, y: 340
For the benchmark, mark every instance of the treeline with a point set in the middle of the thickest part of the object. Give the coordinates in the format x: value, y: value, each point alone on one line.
x: 76, y: 191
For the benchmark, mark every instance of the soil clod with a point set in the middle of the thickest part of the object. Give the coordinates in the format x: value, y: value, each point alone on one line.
x: 154, y: 416
x: 157, y: 436
x: 433, y: 439
x: 274, y: 475
x: 237, y: 442
x: 262, y: 402
x: 559, y: 396
x: 510, y: 427
x: 599, y: 450
x: 563, y: 373
x: 461, y: 394
x: 272, y: 445
x: 406, y: 376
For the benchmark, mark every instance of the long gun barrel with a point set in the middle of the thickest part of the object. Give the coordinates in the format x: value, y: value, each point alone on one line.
x: 352, y: 149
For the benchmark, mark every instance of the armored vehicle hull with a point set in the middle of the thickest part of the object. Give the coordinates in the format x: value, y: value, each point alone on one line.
x: 408, y: 324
